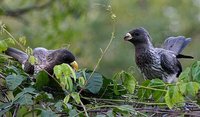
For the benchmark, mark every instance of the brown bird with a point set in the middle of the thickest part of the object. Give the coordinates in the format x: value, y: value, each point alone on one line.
x: 46, y: 59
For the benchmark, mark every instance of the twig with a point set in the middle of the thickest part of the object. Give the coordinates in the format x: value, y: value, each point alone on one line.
x: 193, y: 102
x: 5, y: 30
x: 32, y: 111
x: 4, y: 94
x: 15, y: 111
x: 151, y: 88
x: 109, y: 106
x: 118, y: 100
x: 86, y: 114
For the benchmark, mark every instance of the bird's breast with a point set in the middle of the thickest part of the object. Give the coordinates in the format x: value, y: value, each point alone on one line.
x: 149, y: 64
x: 146, y: 58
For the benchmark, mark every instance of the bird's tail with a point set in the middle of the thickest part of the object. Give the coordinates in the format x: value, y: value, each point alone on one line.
x: 177, y: 44
x: 17, y: 54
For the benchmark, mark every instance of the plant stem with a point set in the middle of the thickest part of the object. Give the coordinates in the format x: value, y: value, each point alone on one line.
x: 109, y: 106
x: 150, y: 88
x: 15, y: 111
x: 86, y: 114
x: 14, y: 39
x: 130, y: 101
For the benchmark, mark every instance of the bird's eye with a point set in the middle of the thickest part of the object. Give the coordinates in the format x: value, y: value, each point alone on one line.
x: 136, y: 34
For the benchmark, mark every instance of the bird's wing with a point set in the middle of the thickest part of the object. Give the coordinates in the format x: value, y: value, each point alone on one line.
x: 17, y: 54
x: 176, y: 44
x: 40, y: 54
x: 170, y: 63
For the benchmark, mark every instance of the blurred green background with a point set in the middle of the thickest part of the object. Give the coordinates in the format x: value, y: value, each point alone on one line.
x: 85, y: 26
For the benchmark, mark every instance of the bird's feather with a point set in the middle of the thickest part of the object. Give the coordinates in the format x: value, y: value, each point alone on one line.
x: 176, y: 44
x: 170, y: 64
x: 184, y: 56
x: 17, y: 54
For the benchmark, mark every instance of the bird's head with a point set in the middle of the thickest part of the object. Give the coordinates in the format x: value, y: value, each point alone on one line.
x: 65, y: 56
x: 137, y: 36
x: 69, y: 58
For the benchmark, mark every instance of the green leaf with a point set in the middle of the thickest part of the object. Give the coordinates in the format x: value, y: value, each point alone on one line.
x: 58, y: 106
x: 70, y: 84
x: 144, y: 93
x: 157, y: 84
x: 22, y: 40
x: 195, y: 70
x: 182, y: 88
x: 25, y: 90
x: 192, y: 88
x: 129, y: 82
x: 115, y: 88
x: 185, y: 75
x: 5, y: 107
x: 25, y: 99
x: 31, y: 59
x: 94, y: 83
x: 29, y: 51
x: 57, y: 71
x: 72, y: 72
x: 66, y: 99
x: 81, y: 81
x: 48, y: 113
x: 110, y: 113
x: 10, y: 40
x: 73, y: 113
x: 3, y: 45
x: 42, y: 79
x: 76, y: 97
x: 13, y: 81
x: 63, y: 72
x: 23, y: 111
x: 43, y: 96
x: 189, y: 88
x: 173, y: 97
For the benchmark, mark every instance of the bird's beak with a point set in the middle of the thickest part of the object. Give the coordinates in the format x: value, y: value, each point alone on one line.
x: 74, y: 65
x: 127, y: 37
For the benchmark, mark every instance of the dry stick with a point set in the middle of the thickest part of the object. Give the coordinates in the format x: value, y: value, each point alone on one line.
x: 105, y: 50
x: 108, y: 106
x: 193, y: 102
x: 15, y: 111
x: 84, y: 108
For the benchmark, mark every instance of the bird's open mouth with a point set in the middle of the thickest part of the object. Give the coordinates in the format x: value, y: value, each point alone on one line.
x: 74, y: 65
x: 127, y: 37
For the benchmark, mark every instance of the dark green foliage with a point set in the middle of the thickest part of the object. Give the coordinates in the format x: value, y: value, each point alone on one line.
x: 48, y: 113
x: 94, y: 81
x: 42, y: 79
x: 85, y: 27
x: 13, y: 81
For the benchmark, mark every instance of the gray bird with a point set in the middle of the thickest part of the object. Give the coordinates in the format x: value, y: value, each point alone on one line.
x: 154, y: 62
x: 46, y: 59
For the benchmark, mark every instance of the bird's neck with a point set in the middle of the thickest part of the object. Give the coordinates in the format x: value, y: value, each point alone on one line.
x: 143, y: 46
